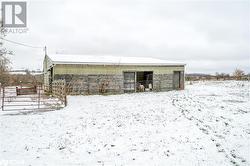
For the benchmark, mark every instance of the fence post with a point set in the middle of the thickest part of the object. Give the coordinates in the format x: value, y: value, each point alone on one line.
x: 0, y: 92
x: 65, y: 94
x: 39, y: 95
x: 3, y: 99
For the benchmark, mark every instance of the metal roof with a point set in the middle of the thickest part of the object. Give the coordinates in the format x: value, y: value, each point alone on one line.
x: 109, y: 60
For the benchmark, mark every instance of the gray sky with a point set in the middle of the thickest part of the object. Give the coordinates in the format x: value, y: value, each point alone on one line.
x: 209, y: 36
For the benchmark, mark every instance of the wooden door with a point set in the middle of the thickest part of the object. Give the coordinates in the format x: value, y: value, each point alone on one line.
x: 176, y: 80
x: 129, y: 81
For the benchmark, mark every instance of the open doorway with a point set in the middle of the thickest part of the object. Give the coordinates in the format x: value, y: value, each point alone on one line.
x: 144, y: 81
x: 138, y: 81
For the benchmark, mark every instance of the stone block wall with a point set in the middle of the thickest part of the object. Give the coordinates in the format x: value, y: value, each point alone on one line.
x: 92, y: 84
x: 162, y: 82
x: 108, y: 84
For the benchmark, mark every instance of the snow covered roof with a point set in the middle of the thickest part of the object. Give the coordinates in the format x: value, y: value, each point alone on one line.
x: 109, y: 60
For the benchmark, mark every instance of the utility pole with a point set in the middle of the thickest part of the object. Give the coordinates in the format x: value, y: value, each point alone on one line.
x: 45, y: 50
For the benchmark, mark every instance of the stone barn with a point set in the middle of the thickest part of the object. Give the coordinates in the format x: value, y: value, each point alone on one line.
x: 85, y: 74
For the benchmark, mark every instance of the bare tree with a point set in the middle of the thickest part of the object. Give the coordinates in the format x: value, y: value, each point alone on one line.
x: 217, y: 75
x: 238, y: 74
x: 4, y: 68
x: 223, y: 76
x: 4, y: 59
x: 27, y: 71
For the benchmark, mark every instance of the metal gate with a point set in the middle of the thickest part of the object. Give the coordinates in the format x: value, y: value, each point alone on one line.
x: 14, y: 99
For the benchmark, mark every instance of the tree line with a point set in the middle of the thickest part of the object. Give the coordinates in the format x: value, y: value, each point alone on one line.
x: 238, y: 74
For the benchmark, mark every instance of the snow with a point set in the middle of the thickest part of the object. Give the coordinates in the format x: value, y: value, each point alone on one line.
x: 205, y: 124
x: 113, y: 60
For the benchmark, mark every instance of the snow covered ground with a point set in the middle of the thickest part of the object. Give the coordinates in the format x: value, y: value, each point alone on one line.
x: 206, y: 124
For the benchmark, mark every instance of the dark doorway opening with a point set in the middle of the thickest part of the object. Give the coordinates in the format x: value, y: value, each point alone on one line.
x: 144, y: 81
x: 139, y: 81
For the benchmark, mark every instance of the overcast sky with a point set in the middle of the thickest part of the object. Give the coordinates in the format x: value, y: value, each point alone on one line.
x: 209, y: 36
